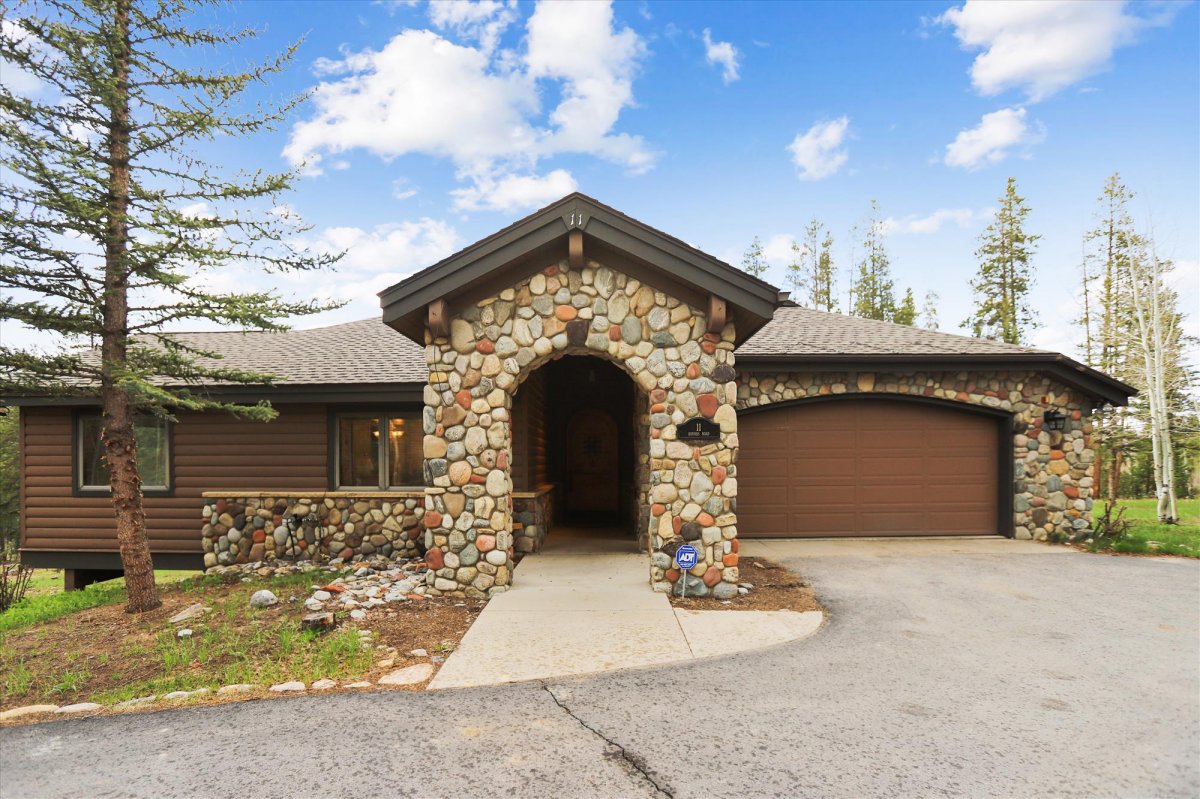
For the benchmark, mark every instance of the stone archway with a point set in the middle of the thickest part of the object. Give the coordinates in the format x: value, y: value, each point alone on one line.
x: 493, y: 343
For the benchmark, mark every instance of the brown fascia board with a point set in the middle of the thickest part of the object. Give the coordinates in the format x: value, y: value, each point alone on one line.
x: 542, y: 229
x: 394, y: 393
x: 1092, y: 382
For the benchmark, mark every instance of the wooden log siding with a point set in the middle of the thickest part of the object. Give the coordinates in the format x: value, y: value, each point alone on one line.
x: 212, y: 452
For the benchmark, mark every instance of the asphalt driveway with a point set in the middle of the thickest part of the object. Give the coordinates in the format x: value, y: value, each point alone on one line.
x: 973, y: 673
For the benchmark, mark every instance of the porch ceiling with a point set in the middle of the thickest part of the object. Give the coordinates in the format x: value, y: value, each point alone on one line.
x: 529, y: 244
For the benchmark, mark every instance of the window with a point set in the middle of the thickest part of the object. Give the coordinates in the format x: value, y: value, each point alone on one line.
x: 154, y: 453
x: 378, y: 450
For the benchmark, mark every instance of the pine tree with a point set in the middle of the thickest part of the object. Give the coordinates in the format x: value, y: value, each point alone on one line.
x: 796, y: 277
x: 811, y: 272
x: 753, y: 261
x: 823, y: 293
x: 1108, y: 321
x: 97, y: 240
x: 929, y: 311
x: 872, y: 292
x: 1005, y: 275
x: 906, y: 314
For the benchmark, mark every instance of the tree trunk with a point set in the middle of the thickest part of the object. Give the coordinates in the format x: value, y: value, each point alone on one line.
x: 120, y: 445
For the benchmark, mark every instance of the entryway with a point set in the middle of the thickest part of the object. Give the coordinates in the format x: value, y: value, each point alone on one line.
x: 574, y: 428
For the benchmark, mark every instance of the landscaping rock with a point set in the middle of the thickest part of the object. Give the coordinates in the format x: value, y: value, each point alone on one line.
x: 137, y: 702
x: 409, y: 675
x: 361, y: 684
x: 419, y: 653
x: 190, y: 612
x: 79, y: 707
x: 263, y: 599
x: 318, y: 621
x: 27, y: 710
x: 177, y: 695
x: 184, y: 633
x: 324, y: 685
x: 236, y: 688
x: 288, y: 687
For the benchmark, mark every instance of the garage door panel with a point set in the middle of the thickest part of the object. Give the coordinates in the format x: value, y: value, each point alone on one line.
x: 868, y: 467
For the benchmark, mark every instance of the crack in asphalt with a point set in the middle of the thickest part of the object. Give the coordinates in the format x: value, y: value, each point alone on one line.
x: 635, y: 763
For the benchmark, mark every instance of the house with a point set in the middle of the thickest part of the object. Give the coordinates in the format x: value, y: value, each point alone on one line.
x: 579, y: 367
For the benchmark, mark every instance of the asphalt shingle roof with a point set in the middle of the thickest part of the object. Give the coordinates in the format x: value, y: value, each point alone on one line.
x: 800, y: 332
x: 368, y: 351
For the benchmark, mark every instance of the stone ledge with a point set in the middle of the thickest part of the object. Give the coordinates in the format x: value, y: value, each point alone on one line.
x: 407, y: 493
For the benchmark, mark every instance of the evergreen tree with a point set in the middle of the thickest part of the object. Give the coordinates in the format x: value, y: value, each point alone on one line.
x: 906, y: 314
x: 1005, y: 275
x: 97, y: 239
x: 811, y: 272
x: 929, y: 311
x: 872, y: 292
x: 1108, y: 322
x: 753, y: 261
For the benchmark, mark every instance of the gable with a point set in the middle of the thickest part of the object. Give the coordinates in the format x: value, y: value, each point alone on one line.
x: 579, y: 229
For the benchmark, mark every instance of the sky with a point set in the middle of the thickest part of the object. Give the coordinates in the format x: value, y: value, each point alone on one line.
x: 432, y: 125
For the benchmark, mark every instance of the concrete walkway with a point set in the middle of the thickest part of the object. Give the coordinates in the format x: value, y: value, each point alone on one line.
x: 584, y: 605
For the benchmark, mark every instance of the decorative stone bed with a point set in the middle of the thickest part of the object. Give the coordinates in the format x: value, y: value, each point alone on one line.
x: 325, y: 526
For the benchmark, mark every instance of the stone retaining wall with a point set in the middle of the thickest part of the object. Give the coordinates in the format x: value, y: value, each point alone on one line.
x: 1054, y: 471
x: 247, y: 528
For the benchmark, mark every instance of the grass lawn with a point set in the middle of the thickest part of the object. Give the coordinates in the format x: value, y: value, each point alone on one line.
x: 45, y: 599
x: 1146, y: 535
x: 61, y: 648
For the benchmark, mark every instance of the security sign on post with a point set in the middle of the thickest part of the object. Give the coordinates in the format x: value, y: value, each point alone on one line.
x: 687, y: 557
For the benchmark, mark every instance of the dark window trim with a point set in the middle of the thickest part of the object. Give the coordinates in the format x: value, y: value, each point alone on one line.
x: 334, y: 413
x: 77, y: 489
x: 1005, y: 520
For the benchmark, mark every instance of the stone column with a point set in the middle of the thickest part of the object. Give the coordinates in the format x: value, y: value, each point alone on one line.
x: 468, y: 516
x: 693, y: 489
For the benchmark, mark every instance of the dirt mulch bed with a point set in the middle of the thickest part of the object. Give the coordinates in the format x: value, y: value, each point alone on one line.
x: 775, y: 588
x: 111, y: 649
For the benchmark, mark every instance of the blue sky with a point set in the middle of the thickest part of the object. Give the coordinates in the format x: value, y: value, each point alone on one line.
x: 433, y: 125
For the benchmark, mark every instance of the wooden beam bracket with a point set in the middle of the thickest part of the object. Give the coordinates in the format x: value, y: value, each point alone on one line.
x: 438, y: 318
x: 575, y: 249
x: 717, y: 314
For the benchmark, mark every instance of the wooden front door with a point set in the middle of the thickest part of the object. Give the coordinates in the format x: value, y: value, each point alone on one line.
x: 592, y: 478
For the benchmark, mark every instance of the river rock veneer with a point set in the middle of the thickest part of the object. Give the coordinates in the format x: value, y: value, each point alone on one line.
x: 661, y: 342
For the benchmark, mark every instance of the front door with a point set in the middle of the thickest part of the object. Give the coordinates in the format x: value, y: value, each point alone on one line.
x: 592, y: 480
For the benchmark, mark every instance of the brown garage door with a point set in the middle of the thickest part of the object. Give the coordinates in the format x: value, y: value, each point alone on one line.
x: 867, y: 467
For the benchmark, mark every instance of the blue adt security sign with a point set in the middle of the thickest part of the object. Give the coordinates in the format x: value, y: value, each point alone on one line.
x: 686, y: 556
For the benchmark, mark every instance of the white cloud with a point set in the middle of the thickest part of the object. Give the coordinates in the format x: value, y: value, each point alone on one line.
x: 962, y: 218
x: 577, y: 44
x: 991, y: 141
x: 818, y: 152
x: 777, y: 249
x: 402, y: 189
x: 1042, y: 47
x: 425, y: 94
x: 395, y: 247
x: 483, y: 21
x: 723, y: 54
x: 510, y: 192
